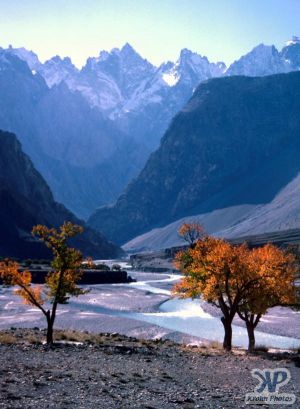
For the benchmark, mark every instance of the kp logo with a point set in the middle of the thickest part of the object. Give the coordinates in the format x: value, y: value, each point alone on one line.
x: 267, y: 390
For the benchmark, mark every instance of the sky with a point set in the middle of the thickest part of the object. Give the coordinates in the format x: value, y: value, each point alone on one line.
x: 223, y: 30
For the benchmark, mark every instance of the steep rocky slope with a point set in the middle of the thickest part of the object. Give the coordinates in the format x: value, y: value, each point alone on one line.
x: 267, y: 60
x: 139, y: 97
x: 142, y: 97
x: 90, y: 131
x: 26, y: 200
x: 291, y: 53
x: 281, y: 217
x: 236, y: 142
x: 75, y: 148
x: 167, y: 236
x: 262, y: 60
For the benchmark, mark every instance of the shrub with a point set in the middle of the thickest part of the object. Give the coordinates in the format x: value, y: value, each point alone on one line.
x: 102, y: 267
x: 116, y: 267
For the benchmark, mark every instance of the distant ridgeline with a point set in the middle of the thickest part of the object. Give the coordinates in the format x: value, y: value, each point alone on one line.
x: 89, y: 131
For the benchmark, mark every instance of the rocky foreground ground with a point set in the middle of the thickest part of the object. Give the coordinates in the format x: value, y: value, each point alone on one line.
x: 113, y: 371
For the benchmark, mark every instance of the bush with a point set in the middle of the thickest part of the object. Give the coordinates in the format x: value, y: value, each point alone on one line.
x: 116, y: 267
x: 102, y: 267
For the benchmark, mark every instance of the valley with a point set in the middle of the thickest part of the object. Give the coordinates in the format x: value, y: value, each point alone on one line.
x: 145, y: 309
x: 119, y: 107
x: 149, y: 204
x: 228, y: 159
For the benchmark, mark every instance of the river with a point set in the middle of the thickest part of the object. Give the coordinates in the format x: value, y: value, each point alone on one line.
x: 188, y: 316
x: 146, y: 309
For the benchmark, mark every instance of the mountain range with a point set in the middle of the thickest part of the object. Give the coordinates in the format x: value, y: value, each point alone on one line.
x: 127, y: 88
x: 235, y: 143
x: 82, y: 155
x: 26, y: 200
x: 121, y: 83
x: 90, y: 131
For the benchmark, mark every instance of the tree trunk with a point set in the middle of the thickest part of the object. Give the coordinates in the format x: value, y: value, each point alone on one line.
x: 50, y: 321
x: 227, y: 343
x: 49, y: 329
x: 250, y: 329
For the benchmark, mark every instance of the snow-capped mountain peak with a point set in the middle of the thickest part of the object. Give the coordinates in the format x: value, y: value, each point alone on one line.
x: 125, y: 87
x: 59, y: 69
x: 294, y: 40
x: 10, y: 61
x: 103, y: 55
x: 128, y: 50
x: 26, y: 55
x: 291, y: 53
x: 261, y: 60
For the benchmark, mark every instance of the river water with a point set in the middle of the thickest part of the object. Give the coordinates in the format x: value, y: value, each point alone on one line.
x: 188, y: 316
x: 146, y: 309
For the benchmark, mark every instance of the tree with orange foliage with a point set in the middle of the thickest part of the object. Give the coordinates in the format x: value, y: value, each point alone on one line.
x: 275, y: 287
x: 233, y: 278
x: 60, y: 283
x: 89, y: 263
x: 214, y: 269
x: 191, y: 232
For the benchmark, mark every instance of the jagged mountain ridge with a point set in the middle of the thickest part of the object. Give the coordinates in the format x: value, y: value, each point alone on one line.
x: 117, y: 82
x: 26, y: 200
x: 227, y: 147
x: 75, y: 147
x: 86, y: 154
x: 89, y: 165
x: 138, y: 96
x: 141, y: 98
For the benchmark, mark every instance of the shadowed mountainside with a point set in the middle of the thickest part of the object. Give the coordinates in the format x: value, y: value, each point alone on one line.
x: 236, y: 142
x: 26, y: 200
x: 84, y: 158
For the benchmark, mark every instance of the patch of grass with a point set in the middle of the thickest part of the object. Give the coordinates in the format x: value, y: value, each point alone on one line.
x: 203, y: 346
x: 31, y: 339
x: 215, y: 345
x: 7, y: 339
x: 68, y: 335
x: 77, y: 336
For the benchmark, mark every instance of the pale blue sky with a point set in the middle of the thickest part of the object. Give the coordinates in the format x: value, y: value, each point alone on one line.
x: 157, y: 29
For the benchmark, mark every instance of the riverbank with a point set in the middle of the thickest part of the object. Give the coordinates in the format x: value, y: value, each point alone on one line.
x: 144, y: 310
x: 117, y: 372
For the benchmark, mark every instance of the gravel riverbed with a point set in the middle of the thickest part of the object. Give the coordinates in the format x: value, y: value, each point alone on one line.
x: 116, y: 372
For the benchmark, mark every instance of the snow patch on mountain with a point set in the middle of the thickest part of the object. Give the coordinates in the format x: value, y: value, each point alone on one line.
x: 294, y: 40
x: 121, y: 81
x: 171, y: 78
x: 142, y: 98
